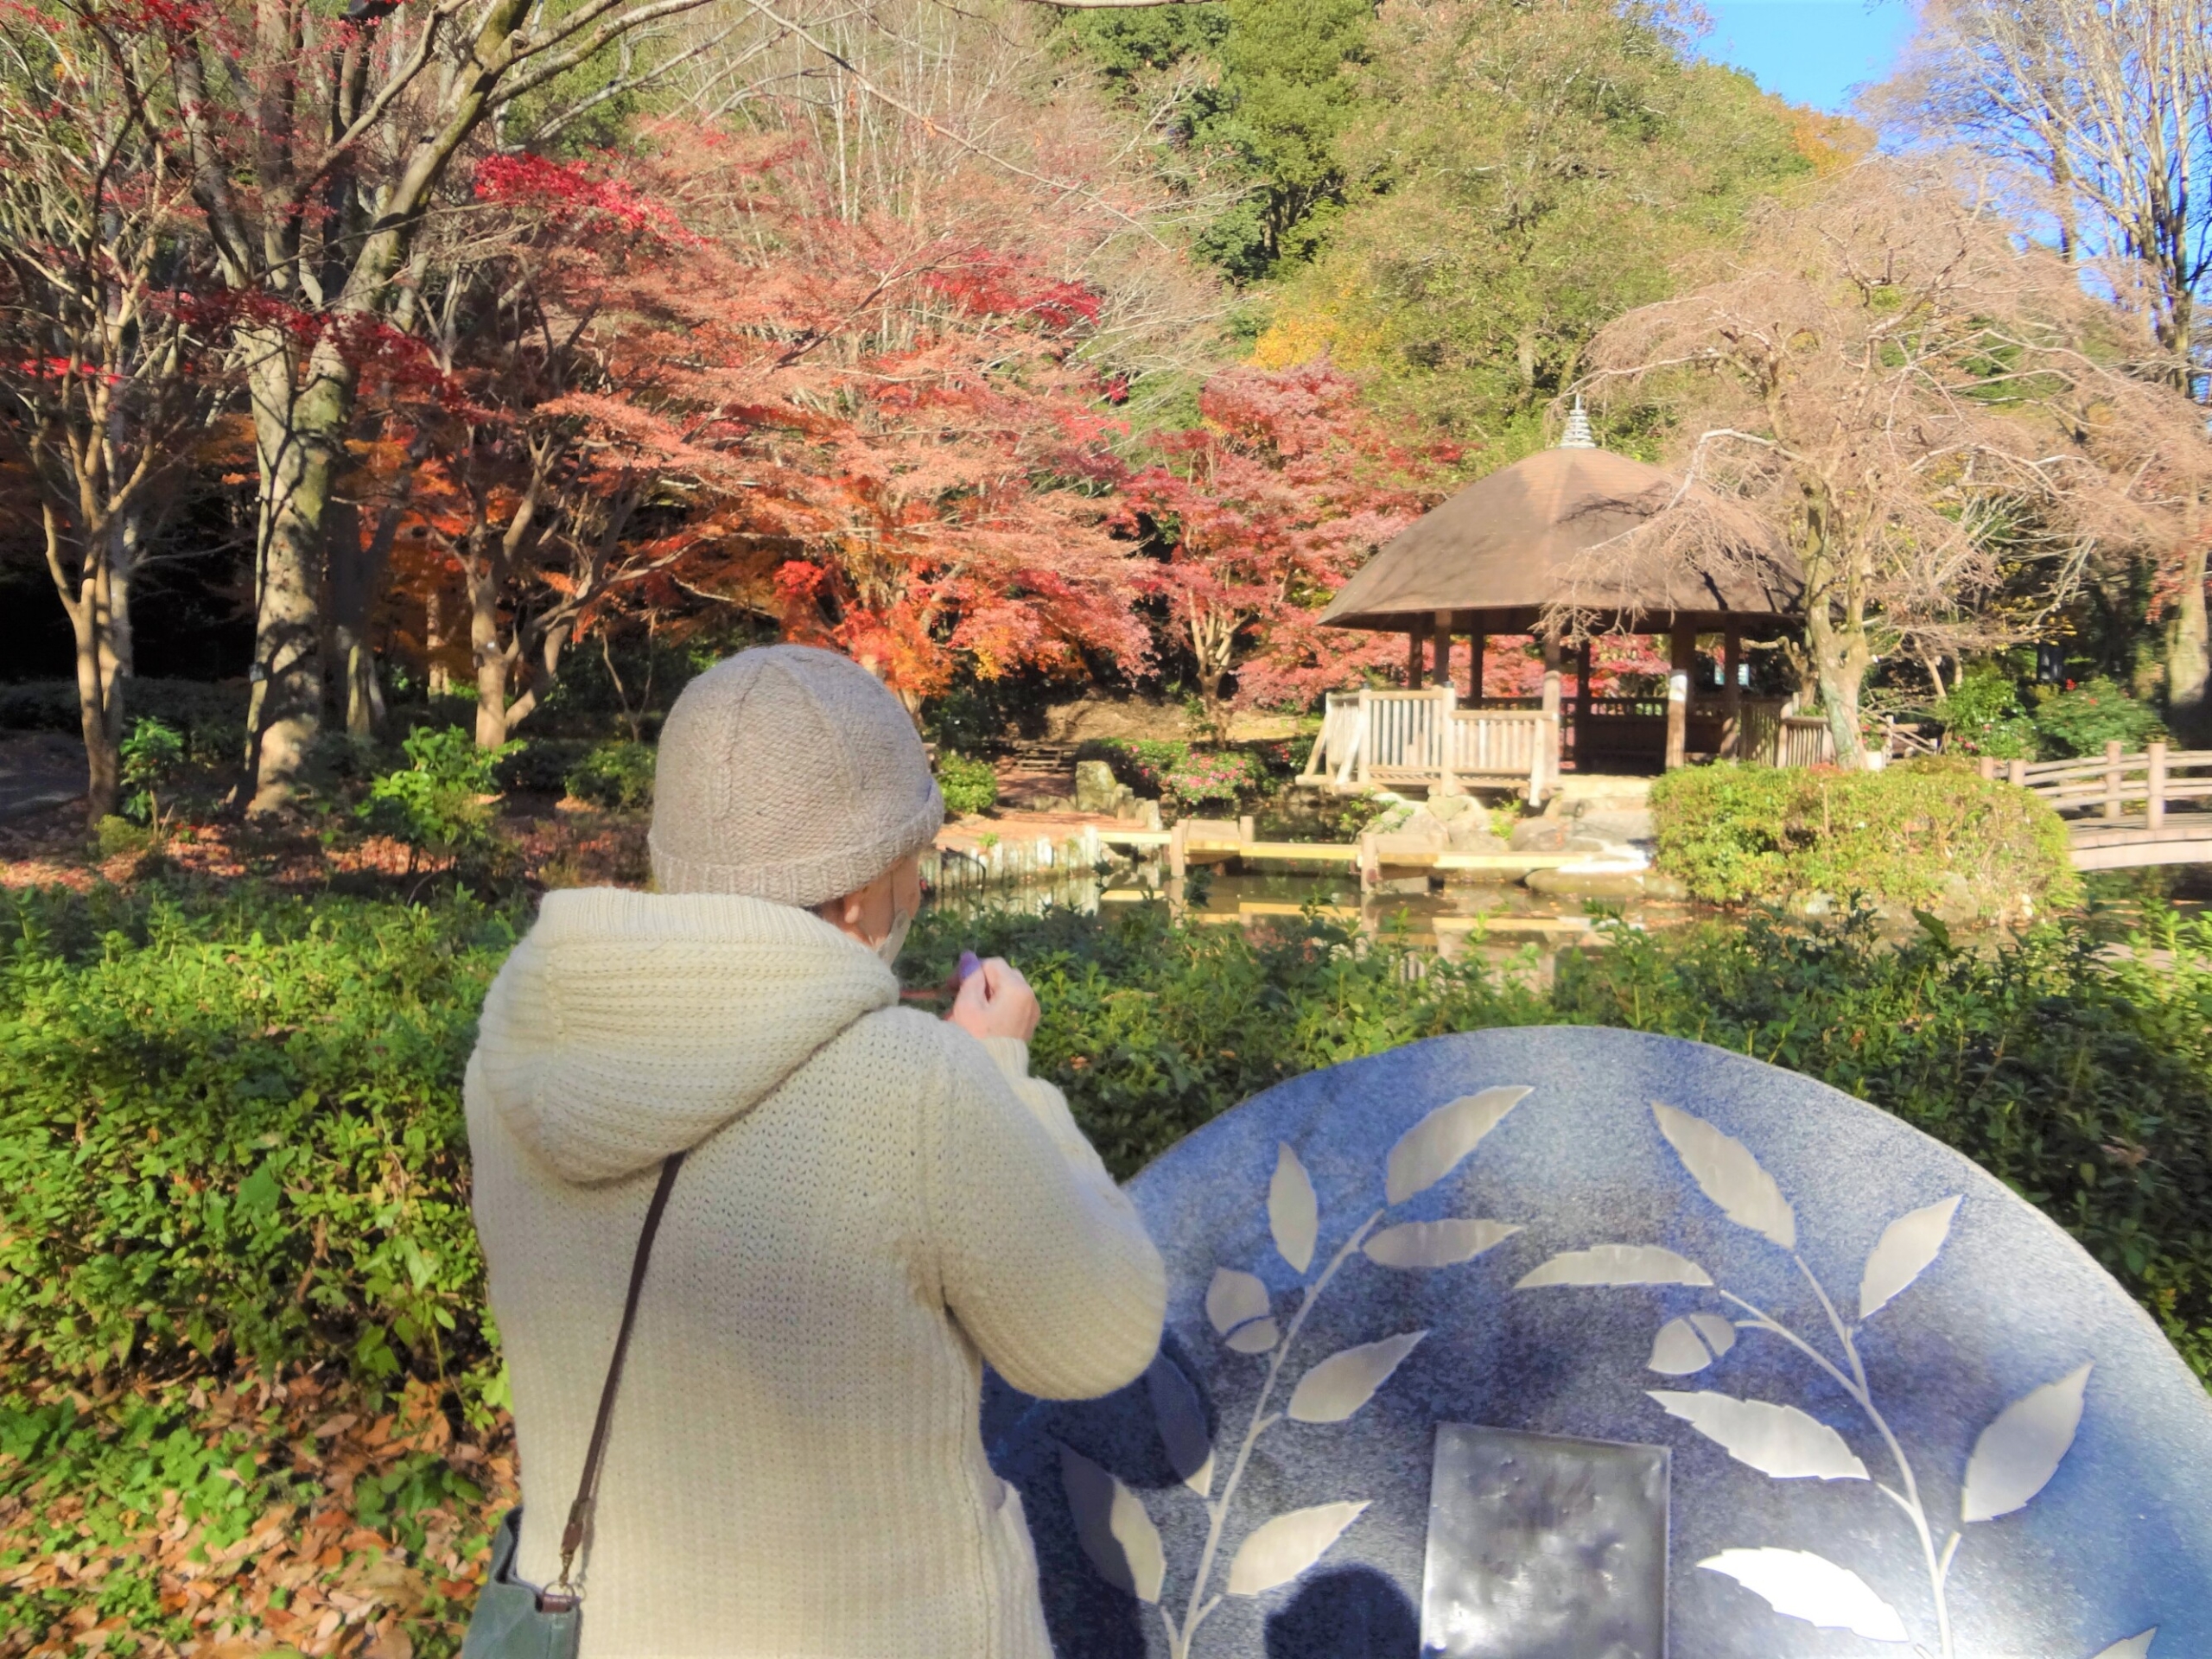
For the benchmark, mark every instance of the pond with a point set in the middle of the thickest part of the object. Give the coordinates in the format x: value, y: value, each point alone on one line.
x: 1495, y: 921
x: 1501, y: 922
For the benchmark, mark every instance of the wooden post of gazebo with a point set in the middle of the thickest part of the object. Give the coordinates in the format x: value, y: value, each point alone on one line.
x: 1476, y: 641
x: 1731, y: 692
x: 1683, y: 659
x: 1551, y: 698
x: 1441, y: 629
x: 1581, y: 702
x: 1416, y: 637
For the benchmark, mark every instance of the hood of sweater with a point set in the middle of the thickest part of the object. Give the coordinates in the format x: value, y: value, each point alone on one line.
x: 628, y: 1026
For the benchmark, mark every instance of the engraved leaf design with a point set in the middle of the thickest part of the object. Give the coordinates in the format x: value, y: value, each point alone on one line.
x: 2020, y: 1451
x: 1435, y: 1243
x: 1777, y: 1441
x: 1344, y: 1381
x: 1253, y: 1337
x: 2136, y: 1647
x: 1234, y: 1298
x: 1278, y: 1552
x: 1690, y: 1344
x: 1293, y: 1215
x: 1432, y: 1149
x: 1903, y: 1253
x: 1111, y: 1525
x: 1616, y: 1264
x: 1804, y: 1585
x: 1182, y: 1420
x: 1727, y: 1174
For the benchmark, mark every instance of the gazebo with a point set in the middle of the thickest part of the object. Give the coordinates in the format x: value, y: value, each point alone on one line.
x: 1567, y: 544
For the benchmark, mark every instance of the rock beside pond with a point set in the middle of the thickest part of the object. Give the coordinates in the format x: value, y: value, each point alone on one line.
x: 1597, y: 881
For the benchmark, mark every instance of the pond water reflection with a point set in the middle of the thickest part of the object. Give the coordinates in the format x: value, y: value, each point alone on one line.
x: 1503, y: 922
x: 1495, y: 921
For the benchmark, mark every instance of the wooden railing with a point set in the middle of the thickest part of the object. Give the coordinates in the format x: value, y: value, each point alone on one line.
x: 2110, y: 784
x: 1390, y: 738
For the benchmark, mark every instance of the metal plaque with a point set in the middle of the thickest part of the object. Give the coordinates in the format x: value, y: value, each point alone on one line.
x: 1544, y: 1548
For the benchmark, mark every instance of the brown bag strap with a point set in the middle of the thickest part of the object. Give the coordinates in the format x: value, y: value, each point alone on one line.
x: 573, y: 1535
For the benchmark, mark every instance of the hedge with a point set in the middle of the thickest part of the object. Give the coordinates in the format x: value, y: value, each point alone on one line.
x: 1926, y: 833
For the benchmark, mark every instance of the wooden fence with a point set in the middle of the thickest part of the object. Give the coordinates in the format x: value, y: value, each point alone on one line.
x: 2111, y: 783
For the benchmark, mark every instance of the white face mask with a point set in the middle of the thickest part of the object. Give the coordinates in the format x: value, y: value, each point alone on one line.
x: 893, y: 943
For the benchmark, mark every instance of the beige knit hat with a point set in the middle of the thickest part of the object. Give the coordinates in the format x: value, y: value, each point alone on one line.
x: 789, y: 773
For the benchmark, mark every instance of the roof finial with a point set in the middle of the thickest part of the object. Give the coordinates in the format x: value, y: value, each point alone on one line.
x: 1578, y: 435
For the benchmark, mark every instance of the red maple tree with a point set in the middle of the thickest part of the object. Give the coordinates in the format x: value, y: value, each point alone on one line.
x: 1259, y: 514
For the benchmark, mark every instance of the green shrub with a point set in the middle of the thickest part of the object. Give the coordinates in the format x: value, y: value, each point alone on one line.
x: 2084, y: 1082
x: 152, y: 757
x: 2082, y: 720
x: 968, y: 786
x: 439, y: 803
x: 618, y: 775
x: 1918, y: 833
x: 233, y: 1133
x: 1169, y: 769
x: 233, y: 1130
x: 539, y: 766
x: 1982, y: 715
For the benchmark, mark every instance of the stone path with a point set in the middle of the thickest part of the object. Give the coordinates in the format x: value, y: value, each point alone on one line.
x: 39, y: 769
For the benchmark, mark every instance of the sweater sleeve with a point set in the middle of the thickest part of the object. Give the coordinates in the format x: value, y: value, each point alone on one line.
x: 1043, y: 1258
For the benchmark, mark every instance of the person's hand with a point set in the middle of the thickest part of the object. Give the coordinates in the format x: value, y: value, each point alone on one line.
x: 995, y: 1000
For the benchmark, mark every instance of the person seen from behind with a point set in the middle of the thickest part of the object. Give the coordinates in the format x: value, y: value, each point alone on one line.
x: 872, y: 1204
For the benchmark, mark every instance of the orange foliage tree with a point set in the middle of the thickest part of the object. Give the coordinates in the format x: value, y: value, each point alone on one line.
x: 1259, y: 514
x: 675, y: 382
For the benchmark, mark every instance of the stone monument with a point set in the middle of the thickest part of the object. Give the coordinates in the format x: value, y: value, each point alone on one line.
x: 1576, y: 1344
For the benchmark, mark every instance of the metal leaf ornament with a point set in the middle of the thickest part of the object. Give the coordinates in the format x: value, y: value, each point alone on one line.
x: 2020, y: 1451
x: 1182, y: 1422
x: 1727, y: 1174
x: 1435, y: 1243
x: 1904, y: 1252
x: 1433, y: 1148
x: 1811, y: 1587
x: 1237, y: 1306
x: 2136, y: 1647
x: 1294, y: 1214
x: 1278, y: 1552
x: 1234, y: 1299
x: 1689, y: 1344
x: 1780, y: 1441
x: 1344, y: 1381
x: 1111, y: 1525
x: 1616, y: 1264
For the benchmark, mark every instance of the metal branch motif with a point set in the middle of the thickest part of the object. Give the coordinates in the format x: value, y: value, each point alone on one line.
x: 2015, y: 1456
x: 2012, y: 1460
x: 1111, y: 1522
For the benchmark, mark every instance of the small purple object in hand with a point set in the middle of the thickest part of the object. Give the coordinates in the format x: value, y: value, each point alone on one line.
x: 969, y: 962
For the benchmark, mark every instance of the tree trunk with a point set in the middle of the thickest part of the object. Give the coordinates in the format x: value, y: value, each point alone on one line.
x: 437, y: 674
x: 2188, y: 656
x: 1841, y: 657
x: 356, y: 576
x: 486, y: 651
x: 297, y: 437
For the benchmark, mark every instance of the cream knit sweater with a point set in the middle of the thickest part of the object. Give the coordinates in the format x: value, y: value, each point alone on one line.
x: 873, y: 1205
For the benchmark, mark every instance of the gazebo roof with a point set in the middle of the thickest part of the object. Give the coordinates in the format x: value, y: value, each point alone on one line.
x: 1581, y: 528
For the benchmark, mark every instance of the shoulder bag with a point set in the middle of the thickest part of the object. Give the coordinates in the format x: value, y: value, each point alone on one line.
x: 514, y: 1620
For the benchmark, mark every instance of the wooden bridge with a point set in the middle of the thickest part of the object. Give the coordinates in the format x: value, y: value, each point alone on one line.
x: 2124, y: 810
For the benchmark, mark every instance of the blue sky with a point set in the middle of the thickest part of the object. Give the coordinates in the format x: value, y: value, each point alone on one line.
x: 1809, y: 51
